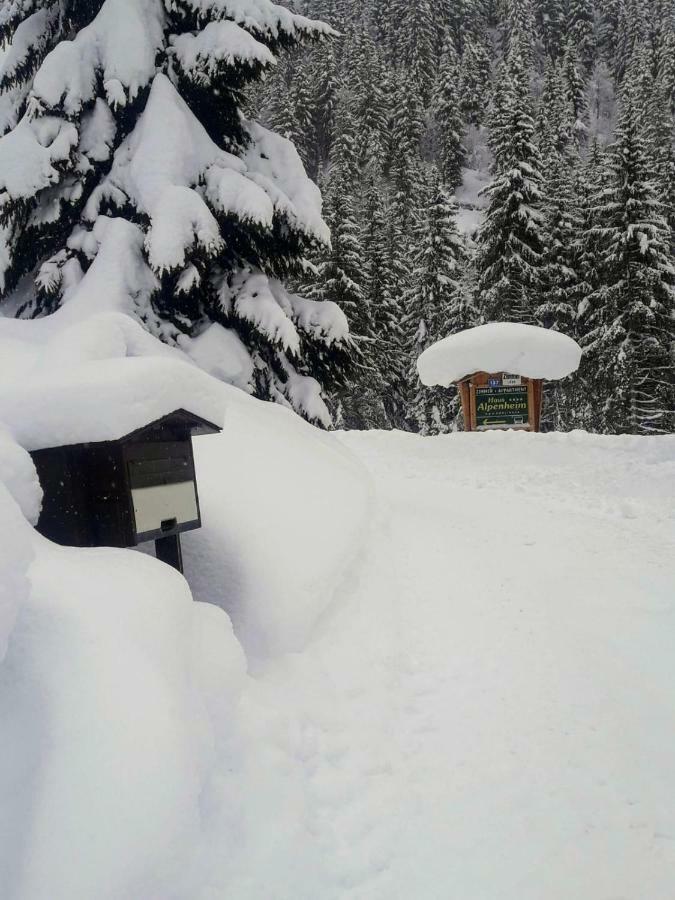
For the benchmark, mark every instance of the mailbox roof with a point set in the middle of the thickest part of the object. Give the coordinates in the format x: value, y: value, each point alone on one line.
x: 500, y: 347
x: 109, y: 400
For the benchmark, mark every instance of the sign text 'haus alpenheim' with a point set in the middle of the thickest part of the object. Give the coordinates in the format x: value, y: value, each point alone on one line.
x: 502, y: 407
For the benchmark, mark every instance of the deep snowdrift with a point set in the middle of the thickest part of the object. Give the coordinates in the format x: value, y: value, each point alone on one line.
x: 118, y: 693
x: 459, y: 652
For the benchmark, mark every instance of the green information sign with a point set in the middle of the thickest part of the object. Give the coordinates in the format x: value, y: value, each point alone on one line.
x: 502, y: 407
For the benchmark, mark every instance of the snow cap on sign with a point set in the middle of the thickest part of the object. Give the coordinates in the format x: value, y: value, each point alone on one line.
x: 500, y: 347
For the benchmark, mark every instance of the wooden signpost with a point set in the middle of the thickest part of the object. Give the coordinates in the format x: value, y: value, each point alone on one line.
x: 501, y: 401
x: 499, y: 370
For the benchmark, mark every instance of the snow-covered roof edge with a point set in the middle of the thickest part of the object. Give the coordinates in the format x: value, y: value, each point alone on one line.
x: 106, y: 400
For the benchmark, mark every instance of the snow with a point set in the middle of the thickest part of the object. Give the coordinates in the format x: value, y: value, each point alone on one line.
x: 283, y: 509
x: 442, y: 667
x: 28, y: 154
x: 19, y: 478
x: 119, y: 46
x: 104, y: 400
x: 20, y: 496
x: 219, y: 42
x: 221, y: 352
x: 274, y: 164
x: 321, y: 320
x: 262, y: 17
x: 120, y: 696
x: 113, y: 692
x: 487, y: 710
x: 161, y: 166
x: 500, y: 347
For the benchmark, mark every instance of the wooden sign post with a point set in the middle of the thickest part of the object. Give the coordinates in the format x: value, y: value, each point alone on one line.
x: 499, y: 370
x: 500, y: 401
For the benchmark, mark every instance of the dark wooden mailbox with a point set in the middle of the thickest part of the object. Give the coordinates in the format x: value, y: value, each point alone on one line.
x: 121, y: 493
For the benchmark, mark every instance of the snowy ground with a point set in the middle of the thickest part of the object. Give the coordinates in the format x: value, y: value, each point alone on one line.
x: 488, y: 711
x: 447, y: 671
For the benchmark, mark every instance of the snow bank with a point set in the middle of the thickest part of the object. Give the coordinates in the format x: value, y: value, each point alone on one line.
x: 120, y: 698
x: 500, y: 347
x: 114, y: 696
x: 19, y: 478
x: 19, y: 497
x: 283, y: 508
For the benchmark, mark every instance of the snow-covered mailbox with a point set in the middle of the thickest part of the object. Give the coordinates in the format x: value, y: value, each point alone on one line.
x: 499, y: 370
x: 112, y: 445
x: 141, y: 487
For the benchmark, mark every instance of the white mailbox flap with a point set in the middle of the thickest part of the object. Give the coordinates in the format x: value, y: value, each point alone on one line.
x: 156, y: 504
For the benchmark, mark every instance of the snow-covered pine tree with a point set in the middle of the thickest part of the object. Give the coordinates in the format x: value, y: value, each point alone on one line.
x: 560, y: 282
x: 576, y: 91
x: 131, y: 180
x: 511, y: 238
x: 580, y: 27
x: 550, y: 16
x: 420, y: 45
x: 519, y: 31
x: 448, y: 118
x: 475, y: 76
x: 499, y: 118
x: 465, y: 21
x: 324, y: 104
x: 437, y: 307
x: 628, y: 320
x: 559, y: 278
x: 341, y: 272
x: 555, y: 116
x: 379, y: 385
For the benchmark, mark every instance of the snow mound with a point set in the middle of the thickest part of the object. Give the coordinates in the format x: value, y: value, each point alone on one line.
x: 18, y: 475
x: 500, y: 347
x: 221, y: 352
x: 104, y: 400
x: 284, y: 508
x: 114, y: 696
x: 20, y: 496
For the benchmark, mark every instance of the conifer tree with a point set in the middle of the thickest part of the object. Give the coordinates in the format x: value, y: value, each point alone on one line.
x: 380, y: 349
x: 437, y: 306
x: 550, y: 16
x: 446, y: 107
x: 628, y: 319
x: 581, y: 31
x: 555, y: 118
x: 520, y: 31
x: 420, y: 47
x: 511, y: 239
x: 130, y: 156
x: 475, y: 77
x: 575, y: 89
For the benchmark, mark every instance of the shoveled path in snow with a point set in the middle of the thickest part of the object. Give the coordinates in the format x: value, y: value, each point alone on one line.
x: 488, y: 711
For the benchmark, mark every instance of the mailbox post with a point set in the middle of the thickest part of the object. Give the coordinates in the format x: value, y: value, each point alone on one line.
x: 126, y: 492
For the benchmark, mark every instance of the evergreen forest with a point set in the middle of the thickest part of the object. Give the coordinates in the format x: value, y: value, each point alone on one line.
x: 493, y: 160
